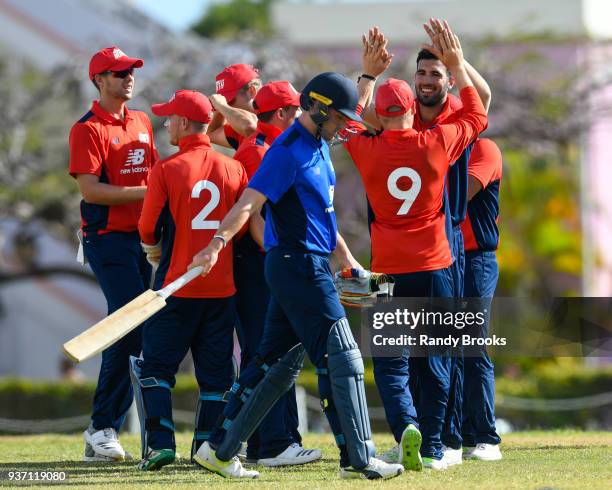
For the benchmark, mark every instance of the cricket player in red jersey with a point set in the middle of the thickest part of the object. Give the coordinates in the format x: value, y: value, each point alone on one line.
x: 480, y: 437
x: 189, y: 194
x: 277, y: 440
x: 435, y: 105
x: 404, y: 172
x: 111, y: 153
x: 235, y: 118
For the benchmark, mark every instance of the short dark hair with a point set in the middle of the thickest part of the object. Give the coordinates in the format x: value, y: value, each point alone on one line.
x: 266, y: 117
x: 424, y: 54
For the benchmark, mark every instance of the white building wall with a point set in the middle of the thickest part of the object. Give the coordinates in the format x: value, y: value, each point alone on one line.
x: 338, y: 23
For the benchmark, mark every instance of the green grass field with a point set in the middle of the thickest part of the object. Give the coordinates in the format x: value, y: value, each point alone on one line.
x: 532, y: 460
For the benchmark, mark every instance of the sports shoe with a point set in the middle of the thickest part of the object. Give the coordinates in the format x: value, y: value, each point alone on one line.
x: 205, y: 457
x: 377, y: 469
x: 391, y: 456
x: 103, y: 443
x: 434, y: 464
x: 452, y: 456
x: 293, y: 455
x: 485, y: 452
x: 409, y: 447
x: 90, y: 455
x: 156, y: 458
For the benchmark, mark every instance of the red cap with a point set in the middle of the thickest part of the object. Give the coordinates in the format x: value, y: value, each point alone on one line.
x: 233, y: 78
x: 393, y: 92
x: 111, y: 59
x: 274, y: 95
x: 193, y: 105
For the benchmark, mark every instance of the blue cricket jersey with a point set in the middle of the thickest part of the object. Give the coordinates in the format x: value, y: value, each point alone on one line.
x: 297, y: 176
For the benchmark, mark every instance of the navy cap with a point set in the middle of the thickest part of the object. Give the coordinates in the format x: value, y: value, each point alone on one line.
x: 334, y: 90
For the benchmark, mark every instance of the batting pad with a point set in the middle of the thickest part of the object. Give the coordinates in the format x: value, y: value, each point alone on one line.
x: 277, y: 381
x: 345, y: 367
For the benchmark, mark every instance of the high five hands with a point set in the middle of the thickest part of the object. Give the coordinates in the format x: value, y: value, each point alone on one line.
x: 375, y: 57
x: 444, y: 45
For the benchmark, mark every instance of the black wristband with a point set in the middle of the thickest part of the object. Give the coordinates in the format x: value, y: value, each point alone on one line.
x: 367, y: 77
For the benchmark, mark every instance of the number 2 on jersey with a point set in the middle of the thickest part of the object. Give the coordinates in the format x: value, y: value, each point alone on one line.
x: 408, y: 196
x: 200, y: 222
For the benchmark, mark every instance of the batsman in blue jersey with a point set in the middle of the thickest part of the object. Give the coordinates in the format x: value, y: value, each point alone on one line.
x: 296, y: 182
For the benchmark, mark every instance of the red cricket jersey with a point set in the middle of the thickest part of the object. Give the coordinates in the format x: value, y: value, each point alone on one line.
x: 233, y: 137
x: 119, y: 152
x: 188, y: 196
x: 451, y: 111
x: 253, y: 148
x: 403, y: 173
x: 250, y: 153
x: 479, y: 229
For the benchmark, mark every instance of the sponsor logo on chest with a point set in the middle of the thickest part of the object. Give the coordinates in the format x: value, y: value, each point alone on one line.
x: 135, y: 158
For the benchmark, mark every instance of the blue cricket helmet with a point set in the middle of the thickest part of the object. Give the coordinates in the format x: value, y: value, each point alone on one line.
x: 333, y: 90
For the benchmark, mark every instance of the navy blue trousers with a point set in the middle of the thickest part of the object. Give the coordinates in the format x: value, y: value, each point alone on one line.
x: 205, y: 326
x: 303, y: 307
x: 427, y: 379
x: 123, y: 273
x: 481, y: 274
x: 451, y: 436
x: 280, y: 426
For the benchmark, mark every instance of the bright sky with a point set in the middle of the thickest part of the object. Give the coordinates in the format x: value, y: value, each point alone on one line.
x: 180, y: 14
x: 176, y: 14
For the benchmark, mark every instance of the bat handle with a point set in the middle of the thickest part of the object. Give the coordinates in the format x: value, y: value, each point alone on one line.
x: 174, y: 286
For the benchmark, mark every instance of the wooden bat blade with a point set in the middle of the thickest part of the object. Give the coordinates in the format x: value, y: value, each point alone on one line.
x: 110, y: 329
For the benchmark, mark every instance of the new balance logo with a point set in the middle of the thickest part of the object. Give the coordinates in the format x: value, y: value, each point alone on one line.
x: 117, y: 53
x: 219, y: 84
x: 135, y: 157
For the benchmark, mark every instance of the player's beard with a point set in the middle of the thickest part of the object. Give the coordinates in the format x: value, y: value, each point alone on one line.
x: 431, y: 100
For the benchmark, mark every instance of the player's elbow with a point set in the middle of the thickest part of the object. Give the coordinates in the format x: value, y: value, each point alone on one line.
x: 249, y: 126
x: 90, y: 195
x: 481, y: 122
x: 486, y: 100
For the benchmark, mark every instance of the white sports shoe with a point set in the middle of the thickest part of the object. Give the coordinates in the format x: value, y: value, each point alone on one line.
x: 91, y: 456
x: 377, y: 469
x: 103, y: 443
x: 452, y: 456
x: 391, y: 456
x: 206, y: 458
x: 293, y: 455
x: 434, y: 464
x: 484, y: 452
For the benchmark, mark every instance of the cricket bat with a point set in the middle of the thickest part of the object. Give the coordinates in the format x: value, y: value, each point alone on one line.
x: 119, y: 323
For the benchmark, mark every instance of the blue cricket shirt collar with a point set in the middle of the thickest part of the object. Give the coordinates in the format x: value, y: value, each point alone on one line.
x: 314, y: 142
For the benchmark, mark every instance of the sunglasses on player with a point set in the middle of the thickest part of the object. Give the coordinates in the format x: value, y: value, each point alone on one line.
x: 119, y: 74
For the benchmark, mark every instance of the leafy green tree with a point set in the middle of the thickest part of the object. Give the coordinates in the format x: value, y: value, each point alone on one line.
x: 226, y: 20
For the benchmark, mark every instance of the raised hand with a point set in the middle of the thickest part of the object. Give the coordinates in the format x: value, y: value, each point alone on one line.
x: 375, y: 57
x: 445, y: 44
x: 433, y: 29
